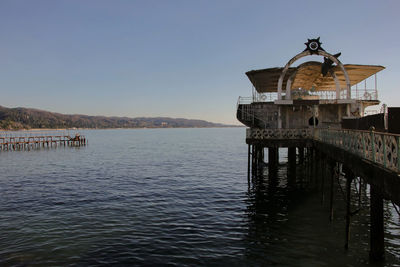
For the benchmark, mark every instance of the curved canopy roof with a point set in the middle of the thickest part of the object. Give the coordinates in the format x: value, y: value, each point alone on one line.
x: 309, y: 75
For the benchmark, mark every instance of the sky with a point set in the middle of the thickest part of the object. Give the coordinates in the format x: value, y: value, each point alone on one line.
x: 178, y: 58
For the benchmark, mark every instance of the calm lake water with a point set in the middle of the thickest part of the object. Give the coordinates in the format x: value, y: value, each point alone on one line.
x: 170, y: 197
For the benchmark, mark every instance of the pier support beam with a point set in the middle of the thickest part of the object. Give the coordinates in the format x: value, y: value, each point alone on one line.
x: 307, y: 164
x: 292, y: 165
x: 323, y: 173
x: 260, y: 156
x: 332, y: 174
x: 253, y: 160
x: 349, y: 179
x: 273, y: 159
x: 257, y: 159
x: 248, y: 163
x: 377, y: 251
x: 301, y: 155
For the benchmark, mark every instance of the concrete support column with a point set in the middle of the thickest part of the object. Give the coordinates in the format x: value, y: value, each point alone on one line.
x: 301, y: 155
x: 256, y: 159
x: 349, y: 179
x: 292, y: 165
x: 332, y: 174
x: 311, y: 164
x: 292, y: 155
x: 248, y: 163
x: 377, y: 251
x: 253, y: 160
x: 273, y: 159
x: 260, y: 155
x: 323, y: 164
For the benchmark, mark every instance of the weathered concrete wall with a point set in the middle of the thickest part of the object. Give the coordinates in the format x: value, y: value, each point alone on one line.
x: 295, y: 116
x: 331, y: 115
x: 298, y: 116
x: 258, y: 114
x: 268, y: 112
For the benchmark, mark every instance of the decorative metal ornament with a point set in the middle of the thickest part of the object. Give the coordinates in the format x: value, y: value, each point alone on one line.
x: 313, y: 45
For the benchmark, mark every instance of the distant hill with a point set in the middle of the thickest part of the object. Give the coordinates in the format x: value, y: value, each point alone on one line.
x: 28, y: 118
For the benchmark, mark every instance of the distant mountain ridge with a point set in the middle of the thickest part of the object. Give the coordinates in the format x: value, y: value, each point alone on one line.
x: 29, y: 118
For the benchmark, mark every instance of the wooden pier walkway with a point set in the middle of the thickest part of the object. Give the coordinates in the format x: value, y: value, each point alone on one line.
x: 13, y: 141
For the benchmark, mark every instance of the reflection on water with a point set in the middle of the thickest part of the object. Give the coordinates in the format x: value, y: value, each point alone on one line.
x: 295, y: 219
x: 171, y: 196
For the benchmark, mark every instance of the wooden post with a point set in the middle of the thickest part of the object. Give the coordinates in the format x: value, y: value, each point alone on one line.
x: 377, y: 251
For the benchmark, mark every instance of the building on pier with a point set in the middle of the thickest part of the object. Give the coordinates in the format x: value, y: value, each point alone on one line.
x: 317, y: 110
x: 312, y: 94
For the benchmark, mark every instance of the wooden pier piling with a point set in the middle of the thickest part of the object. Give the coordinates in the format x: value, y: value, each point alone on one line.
x: 16, y: 141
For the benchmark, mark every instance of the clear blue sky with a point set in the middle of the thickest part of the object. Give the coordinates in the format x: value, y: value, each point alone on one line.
x: 177, y: 58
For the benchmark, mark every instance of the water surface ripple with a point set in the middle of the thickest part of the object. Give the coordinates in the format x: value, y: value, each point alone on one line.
x: 167, y: 196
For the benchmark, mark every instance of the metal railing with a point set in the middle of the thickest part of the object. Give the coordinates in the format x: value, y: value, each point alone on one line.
x: 244, y: 100
x: 358, y: 94
x: 248, y: 114
x: 377, y: 147
x: 263, y: 134
x: 364, y: 94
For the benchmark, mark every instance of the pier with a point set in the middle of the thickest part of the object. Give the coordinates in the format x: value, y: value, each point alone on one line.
x: 316, y: 118
x: 13, y: 141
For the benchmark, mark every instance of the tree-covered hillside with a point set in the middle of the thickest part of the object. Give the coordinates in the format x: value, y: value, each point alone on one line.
x: 27, y: 118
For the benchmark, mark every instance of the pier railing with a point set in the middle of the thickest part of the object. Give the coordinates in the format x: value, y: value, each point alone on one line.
x: 357, y: 94
x: 256, y: 133
x: 380, y: 148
